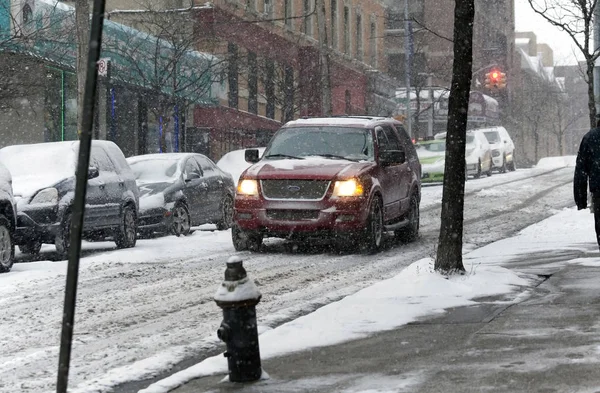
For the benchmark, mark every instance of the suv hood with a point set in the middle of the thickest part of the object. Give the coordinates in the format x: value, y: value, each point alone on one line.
x: 310, y: 168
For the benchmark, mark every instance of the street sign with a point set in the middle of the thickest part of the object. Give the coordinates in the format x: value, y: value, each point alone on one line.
x: 103, y: 64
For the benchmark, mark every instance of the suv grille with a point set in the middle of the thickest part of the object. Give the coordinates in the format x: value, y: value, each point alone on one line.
x: 293, y: 215
x: 294, y: 189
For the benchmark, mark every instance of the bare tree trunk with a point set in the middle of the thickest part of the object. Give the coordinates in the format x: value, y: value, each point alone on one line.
x: 82, y: 26
x: 591, y: 97
x: 449, y: 253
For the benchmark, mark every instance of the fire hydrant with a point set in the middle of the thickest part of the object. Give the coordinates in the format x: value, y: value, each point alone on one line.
x: 238, y: 297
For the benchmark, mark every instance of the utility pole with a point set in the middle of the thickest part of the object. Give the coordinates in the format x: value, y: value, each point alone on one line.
x: 407, y: 45
x: 326, y: 105
x: 597, y: 47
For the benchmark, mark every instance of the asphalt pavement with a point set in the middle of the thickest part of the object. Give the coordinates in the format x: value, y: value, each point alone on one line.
x: 547, y: 342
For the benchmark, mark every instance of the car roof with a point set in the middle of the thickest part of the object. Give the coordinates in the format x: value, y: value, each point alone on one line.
x: 347, y: 121
x: 162, y: 156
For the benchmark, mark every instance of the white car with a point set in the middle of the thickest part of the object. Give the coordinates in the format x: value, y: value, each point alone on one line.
x: 502, y: 148
x: 234, y: 163
x: 478, y: 153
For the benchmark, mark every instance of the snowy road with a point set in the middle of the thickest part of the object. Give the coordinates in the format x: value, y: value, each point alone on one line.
x: 143, y: 310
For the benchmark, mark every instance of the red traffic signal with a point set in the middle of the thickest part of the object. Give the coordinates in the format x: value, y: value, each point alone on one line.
x: 495, y: 80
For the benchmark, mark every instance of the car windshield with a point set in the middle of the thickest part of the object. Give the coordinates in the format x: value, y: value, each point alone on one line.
x: 328, y: 141
x: 40, y: 160
x: 155, y: 171
x: 492, y: 136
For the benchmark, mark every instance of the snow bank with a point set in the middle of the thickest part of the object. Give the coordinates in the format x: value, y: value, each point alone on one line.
x: 556, y: 162
x: 416, y: 292
x: 234, y: 163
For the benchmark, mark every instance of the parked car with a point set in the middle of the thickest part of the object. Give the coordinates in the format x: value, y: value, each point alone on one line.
x: 502, y: 147
x: 432, y: 156
x: 44, y: 188
x: 235, y: 162
x: 181, y: 190
x: 478, y: 153
x: 348, y: 179
x: 8, y: 221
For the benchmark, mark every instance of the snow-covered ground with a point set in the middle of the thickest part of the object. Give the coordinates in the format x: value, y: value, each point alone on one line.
x: 140, y: 311
x: 420, y: 290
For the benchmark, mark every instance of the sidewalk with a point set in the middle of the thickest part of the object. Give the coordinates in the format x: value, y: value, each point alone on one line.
x: 548, y: 340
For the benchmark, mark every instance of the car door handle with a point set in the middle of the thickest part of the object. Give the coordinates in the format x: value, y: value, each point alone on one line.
x: 101, y: 186
x: 121, y: 184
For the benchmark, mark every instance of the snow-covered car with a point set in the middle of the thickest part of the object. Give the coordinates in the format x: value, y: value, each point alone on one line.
x: 44, y: 188
x: 432, y: 156
x: 502, y: 147
x: 181, y: 190
x: 235, y: 162
x: 478, y: 153
x: 8, y: 221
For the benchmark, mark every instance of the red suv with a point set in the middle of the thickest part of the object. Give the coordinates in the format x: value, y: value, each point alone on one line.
x: 349, y: 179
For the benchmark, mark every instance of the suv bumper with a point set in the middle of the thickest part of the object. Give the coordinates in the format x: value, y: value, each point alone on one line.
x: 300, y: 218
x: 36, y: 224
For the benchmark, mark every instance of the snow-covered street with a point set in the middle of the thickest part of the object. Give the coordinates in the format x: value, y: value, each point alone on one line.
x: 143, y: 310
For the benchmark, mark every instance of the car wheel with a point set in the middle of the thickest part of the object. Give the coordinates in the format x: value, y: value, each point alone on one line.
x: 7, y: 246
x: 373, y: 236
x: 489, y: 172
x: 226, y: 214
x: 513, y: 166
x: 503, y: 167
x: 126, y: 234
x: 478, y: 174
x: 244, y: 240
x: 181, y: 224
x: 62, y: 241
x: 31, y: 248
x: 410, y: 233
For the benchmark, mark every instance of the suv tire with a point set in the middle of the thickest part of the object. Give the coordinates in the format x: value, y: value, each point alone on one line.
x: 62, y: 241
x: 31, y: 248
x: 244, y: 240
x: 226, y: 214
x: 373, y: 236
x: 126, y: 234
x: 503, y: 168
x: 7, y: 246
x: 410, y: 233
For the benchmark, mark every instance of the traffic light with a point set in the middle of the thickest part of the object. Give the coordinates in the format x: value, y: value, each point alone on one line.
x: 495, y: 80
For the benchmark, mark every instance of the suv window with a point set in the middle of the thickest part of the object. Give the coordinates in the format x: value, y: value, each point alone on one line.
x: 393, y: 141
x: 100, y: 160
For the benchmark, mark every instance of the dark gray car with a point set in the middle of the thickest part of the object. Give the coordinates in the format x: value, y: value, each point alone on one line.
x: 7, y: 221
x: 44, y: 187
x: 181, y: 190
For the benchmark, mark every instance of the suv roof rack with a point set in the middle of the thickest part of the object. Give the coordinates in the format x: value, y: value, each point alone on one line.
x: 361, y: 117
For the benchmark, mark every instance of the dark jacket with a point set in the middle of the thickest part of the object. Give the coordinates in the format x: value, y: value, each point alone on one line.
x: 587, y: 168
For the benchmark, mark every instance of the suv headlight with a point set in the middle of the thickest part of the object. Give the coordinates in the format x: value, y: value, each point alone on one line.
x: 347, y: 188
x: 47, y: 196
x: 248, y: 187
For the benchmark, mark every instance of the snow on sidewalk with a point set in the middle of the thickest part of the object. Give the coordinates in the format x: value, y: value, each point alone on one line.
x: 416, y: 292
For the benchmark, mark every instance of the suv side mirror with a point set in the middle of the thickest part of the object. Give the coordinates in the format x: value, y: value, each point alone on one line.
x: 93, y: 172
x: 251, y: 156
x: 391, y: 157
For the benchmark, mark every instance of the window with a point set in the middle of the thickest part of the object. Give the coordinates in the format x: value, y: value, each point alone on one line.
x: 268, y: 8
x: 359, y: 37
x: 99, y: 159
x: 346, y: 30
x: 373, y: 44
x: 251, y: 4
x: 287, y: 12
x: 27, y: 18
x: 288, y: 102
x: 393, y: 141
x: 207, y: 166
x: 269, y: 84
x: 334, y: 23
x: 191, y: 167
x: 348, y: 101
x: 252, y: 83
x: 232, y: 76
x: 308, y: 29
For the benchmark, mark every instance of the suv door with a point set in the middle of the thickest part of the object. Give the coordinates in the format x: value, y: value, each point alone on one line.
x: 110, y: 206
x: 195, y: 191
x: 391, y: 179
x: 215, y: 186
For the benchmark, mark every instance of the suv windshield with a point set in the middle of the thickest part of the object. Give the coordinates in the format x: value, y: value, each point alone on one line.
x: 329, y: 141
x: 492, y: 136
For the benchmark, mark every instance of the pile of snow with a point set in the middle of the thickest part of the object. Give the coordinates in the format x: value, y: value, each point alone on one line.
x: 234, y: 163
x: 556, y: 162
x: 416, y: 292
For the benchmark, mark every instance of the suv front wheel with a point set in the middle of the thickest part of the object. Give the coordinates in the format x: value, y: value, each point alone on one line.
x: 243, y: 240
x: 126, y: 234
x: 373, y: 236
x: 7, y: 246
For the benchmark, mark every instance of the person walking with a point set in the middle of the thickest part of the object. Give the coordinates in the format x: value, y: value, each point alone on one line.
x: 587, y: 171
